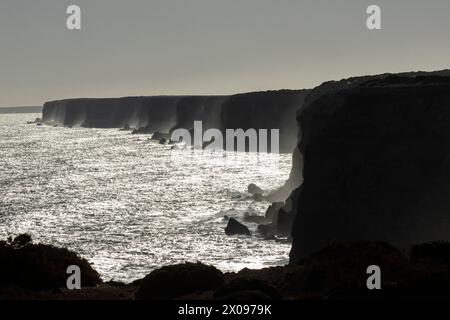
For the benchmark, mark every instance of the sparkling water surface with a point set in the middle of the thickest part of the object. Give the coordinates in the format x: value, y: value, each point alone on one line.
x: 130, y: 205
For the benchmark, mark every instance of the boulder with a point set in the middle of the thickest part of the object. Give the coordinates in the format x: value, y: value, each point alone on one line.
x: 177, y: 280
x: 39, y: 266
x: 235, y: 228
x: 254, y: 189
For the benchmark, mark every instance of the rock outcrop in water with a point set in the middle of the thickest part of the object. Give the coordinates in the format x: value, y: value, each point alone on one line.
x: 376, y: 162
x: 259, y: 110
x: 234, y: 227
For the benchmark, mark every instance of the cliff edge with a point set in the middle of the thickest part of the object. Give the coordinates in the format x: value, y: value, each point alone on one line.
x: 376, y: 162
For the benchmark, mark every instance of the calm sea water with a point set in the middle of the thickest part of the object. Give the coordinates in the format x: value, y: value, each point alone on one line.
x: 129, y: 205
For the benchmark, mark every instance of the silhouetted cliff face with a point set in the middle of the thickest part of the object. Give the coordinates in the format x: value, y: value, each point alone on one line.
x: 266, y: 110
x: 158, y: 113
x: 259, y: 110
x: 199, y: 108
x: 376, y: 154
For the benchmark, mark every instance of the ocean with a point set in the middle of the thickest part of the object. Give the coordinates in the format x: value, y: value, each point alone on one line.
x: 130, y: 205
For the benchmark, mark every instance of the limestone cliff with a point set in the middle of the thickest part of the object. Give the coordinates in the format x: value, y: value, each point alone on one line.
x: 258, y: 110
x: 376, y: 162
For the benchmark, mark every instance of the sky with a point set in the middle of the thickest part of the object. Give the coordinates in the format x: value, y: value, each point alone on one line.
x: 163, y: 47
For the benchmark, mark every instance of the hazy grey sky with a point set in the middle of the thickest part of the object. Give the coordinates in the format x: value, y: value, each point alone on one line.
x: 147, y: 47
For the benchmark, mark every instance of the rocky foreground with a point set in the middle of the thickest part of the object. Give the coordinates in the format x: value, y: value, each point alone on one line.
x: 338, y: 271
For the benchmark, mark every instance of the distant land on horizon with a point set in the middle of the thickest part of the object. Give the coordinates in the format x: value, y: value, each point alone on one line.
x: 5, y: 110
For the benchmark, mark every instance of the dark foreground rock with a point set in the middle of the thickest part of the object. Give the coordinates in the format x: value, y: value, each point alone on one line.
x: 338, y: 271
x: 234, y: 227
x: 38, y: 266
x: 241, y: 285
x: 178, y: 280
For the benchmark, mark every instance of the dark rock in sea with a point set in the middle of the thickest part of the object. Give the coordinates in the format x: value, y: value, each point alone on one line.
x: 376, y: 167
x: 37, y: 120
x: 236, y: 288
x: 162, y: 141
x: 279, y: 220
x: 235, y: 228
x: 285, y: 217
x: 267, y: 231
x: 254, y: 189
x: 38, y: 266
x: 177, y: 280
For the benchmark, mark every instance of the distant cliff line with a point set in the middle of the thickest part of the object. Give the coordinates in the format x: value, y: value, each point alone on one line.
x: 257, y: 110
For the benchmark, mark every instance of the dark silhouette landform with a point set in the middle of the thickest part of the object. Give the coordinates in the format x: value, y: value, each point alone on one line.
x: 163, y: 114
x: 370, y: 180
x: 376, y: 162
x: 337, y: 271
